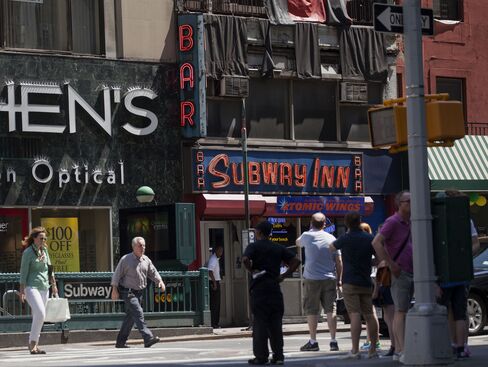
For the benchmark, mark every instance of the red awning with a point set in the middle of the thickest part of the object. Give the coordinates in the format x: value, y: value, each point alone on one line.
x: 228, y: 205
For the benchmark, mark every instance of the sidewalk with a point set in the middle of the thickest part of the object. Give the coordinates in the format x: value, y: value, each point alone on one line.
x: 11, y: 340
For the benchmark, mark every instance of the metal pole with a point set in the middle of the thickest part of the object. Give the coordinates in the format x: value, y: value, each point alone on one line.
x: 426, y: 334
x: 245, y: 169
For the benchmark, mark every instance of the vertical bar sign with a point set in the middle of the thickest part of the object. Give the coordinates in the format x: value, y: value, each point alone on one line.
x: 192, y: 82
x: 63, y: 243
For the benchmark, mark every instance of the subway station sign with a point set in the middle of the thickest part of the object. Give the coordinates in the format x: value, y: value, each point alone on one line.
x: 275, y: 172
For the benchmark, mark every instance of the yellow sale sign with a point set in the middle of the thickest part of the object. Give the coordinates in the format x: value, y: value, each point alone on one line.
x: 63, y: 243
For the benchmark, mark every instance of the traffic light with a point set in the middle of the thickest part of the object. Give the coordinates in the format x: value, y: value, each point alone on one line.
x: 444, y: 122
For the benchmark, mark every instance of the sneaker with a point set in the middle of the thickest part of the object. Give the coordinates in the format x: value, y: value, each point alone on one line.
x: 462, y: 355
x: 334, y: 347
x: 390, y: 352
x: 402, y: 358
x: 310, y: 347
x: 397, y: 356
x: 151, y: 342
x: 351, y: 355
x: 466, y: 350
x: 365, y: 346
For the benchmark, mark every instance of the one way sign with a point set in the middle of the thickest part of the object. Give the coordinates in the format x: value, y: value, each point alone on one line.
x: 389, y: 18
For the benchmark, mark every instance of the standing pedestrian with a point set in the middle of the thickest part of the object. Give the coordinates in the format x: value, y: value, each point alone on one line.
x: 357, y: 287
x: 394, y: 244
x: 214, y: 278
x: 322, y: 274
x: 36, y: 276
x: 128, y: 283
x: 365, y: 227
x: 263, y: 259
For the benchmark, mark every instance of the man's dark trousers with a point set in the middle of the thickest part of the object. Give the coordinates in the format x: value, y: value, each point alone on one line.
x: 215, y: 305
x: 267, y: 308
x: 133, y: 315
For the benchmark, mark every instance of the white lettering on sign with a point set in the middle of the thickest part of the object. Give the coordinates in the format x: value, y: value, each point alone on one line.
x: 83, y: 291
x: 73, y: 100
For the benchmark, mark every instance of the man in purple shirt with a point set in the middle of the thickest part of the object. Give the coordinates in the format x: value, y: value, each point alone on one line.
x: 394, y: 244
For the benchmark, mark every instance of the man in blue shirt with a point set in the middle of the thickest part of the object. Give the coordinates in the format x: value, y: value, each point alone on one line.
x: 357, y: 250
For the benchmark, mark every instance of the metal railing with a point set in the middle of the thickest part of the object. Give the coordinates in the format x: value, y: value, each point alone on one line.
x: 477, y: 128
x: 185, y: 302
x: 253, y: 8
x: 361, y: 11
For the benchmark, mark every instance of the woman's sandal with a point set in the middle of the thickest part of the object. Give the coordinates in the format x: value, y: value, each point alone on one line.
x: 37, y: 351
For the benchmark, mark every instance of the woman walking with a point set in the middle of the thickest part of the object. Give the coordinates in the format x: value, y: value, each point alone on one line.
x: 35, y: 280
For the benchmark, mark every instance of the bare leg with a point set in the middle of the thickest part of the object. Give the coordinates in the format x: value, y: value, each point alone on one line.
x: 372, y: 326
x: 355, y: 331
x: 332, y: 323
x: 312, y: 325
x: 399, y: 330
x: 388, y: 314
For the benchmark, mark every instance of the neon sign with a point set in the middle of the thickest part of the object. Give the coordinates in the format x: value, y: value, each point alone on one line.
x: 277, y: 172
x: 192, y: 76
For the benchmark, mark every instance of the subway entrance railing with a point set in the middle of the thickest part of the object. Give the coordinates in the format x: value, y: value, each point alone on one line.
x: 185, y: 302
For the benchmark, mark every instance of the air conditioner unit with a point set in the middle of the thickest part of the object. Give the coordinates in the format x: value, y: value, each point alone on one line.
x: 234, y: 86
x: 354, y: 92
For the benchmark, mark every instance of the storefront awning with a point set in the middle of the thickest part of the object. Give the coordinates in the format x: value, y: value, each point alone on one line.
x: 463, y: 166
x: 232, y: 206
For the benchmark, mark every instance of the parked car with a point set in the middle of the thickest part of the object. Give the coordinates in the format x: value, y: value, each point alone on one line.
x: 478, y: 294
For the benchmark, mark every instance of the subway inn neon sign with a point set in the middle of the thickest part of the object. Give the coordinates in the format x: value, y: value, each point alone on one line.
x: 277, y: 172
x: 192, y: 76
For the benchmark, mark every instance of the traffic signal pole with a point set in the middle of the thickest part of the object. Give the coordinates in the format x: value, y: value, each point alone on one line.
x: 426, y: 334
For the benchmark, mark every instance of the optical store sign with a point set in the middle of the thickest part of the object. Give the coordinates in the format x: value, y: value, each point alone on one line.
x: 45, y: 172
x: 34, y: 116
x: 63, y: 243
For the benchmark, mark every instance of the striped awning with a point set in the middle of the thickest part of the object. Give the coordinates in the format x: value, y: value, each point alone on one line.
x: 463, y: 166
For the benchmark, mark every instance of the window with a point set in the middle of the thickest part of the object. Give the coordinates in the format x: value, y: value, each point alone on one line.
x: 78, y: 239
x: 59, y: 25
x: 456, y: 89
x: 267, y: 109
x: 448, y: 9
x: 314, y: 108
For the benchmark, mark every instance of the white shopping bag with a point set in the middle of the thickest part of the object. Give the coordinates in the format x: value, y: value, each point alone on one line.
x: 57, y: 310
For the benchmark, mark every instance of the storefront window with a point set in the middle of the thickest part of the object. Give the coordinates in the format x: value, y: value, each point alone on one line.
x: 13, y: 228
x: 64, y: 25
x: 79, y: 240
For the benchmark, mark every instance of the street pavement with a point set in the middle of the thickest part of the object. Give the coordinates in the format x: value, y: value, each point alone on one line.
x: 226, y: 347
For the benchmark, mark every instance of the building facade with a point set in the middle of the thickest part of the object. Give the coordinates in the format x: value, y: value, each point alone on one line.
x: 455, y: 63
x: 298, y: 77
x: 88, y: 114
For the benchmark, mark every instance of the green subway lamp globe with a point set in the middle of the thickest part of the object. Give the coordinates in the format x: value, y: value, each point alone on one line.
x: 145, y: 194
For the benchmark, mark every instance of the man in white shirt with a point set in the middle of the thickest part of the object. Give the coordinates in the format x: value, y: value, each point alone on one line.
x: 323, y: 271
x: 214, y: 278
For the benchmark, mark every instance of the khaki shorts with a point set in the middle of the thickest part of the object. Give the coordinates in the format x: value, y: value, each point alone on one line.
x: 319, y: 292
x: 358, y: 299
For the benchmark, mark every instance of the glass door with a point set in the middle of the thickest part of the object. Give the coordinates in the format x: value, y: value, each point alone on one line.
x: 212, y: 234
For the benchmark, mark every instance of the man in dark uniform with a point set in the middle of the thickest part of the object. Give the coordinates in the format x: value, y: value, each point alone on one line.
x: 263, y: 259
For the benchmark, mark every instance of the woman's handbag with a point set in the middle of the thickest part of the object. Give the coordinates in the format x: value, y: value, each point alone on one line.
x: 57, y: 310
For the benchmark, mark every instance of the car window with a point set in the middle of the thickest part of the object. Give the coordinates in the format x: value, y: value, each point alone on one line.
x: 481, y: 260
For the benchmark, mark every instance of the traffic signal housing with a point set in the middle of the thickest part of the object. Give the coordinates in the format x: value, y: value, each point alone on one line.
x: 444, y: 122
